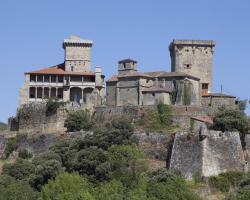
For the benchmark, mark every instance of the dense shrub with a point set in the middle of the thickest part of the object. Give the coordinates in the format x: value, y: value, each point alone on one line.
x: 127, y: 163
x: 11, y: 146
x: 52, y: 105
x: 220, y: 183
x: 78, y: 120
x: 24, y: 154
x: 230, y: 120
x: 163, y: 184
x: 17, y: 190
x: 66, y: 186
x: 44, y: 172
x: 20, y: 170
x: 157, y: 120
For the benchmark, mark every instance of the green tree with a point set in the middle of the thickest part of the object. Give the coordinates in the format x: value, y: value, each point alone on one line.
x: 10, y: 146
x: 44, y: 172
x: 92, y: 162
x: 230, y: 120
x: 112, y: 190
x: 127, y: 163
x: 20, y: 170
x: 163, y: 184
x: 11, y: 189
x: 78, y: 120
x: 66, y: 187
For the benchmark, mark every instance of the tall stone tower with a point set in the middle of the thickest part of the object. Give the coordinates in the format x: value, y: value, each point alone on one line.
x: 194, y: 57
x: 77, y: 54
x: 127, y: 66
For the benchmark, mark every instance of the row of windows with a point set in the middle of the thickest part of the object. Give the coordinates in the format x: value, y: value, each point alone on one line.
x: 45, y: 93
x: 60, y: 78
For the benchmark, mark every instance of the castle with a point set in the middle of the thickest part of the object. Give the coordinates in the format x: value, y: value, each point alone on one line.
x: 188, y: 88
x: 189, y: 83
x: 72, y: 80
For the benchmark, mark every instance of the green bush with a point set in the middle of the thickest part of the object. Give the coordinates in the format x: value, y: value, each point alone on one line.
x: 17, y: 190
x: 233, y: 177
x: 79, y: 120
x: 44, y: 172
x: 20, y: 170
x: 122, y: 123
x: 159, y: 119
x: 52, y: 105
x: 11, y: 146
x: 24, y: 154
x: 220, y: 183
x: 66, y: 187
x: 230, y: 120
x: 187, y: 94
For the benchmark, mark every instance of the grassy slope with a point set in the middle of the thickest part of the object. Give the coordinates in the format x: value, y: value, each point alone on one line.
x: 3, y: 126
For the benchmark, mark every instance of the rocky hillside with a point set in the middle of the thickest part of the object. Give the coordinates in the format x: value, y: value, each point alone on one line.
x: 3, y: 126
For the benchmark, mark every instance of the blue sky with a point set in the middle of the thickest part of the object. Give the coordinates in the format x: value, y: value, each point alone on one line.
x: 32, y: 33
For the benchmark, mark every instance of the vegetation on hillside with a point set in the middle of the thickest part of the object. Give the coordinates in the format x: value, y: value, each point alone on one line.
x: 3, y: 126
x: 105, y: 165
x: 159, y: 119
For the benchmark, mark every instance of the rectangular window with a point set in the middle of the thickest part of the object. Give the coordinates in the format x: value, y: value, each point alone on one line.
x: 204, y: 85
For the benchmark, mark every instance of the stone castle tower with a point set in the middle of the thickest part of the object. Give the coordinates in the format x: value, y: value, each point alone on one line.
x: 193, y: 57
x: 127, y: 66
x: 77, y: 54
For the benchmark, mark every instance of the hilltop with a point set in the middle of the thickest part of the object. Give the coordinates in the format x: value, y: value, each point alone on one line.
x: 3, y: 126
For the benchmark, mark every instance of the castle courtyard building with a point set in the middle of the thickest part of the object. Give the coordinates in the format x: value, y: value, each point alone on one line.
x: 71, y: 80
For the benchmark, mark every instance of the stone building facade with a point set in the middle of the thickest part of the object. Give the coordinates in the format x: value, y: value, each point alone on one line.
x: 194, y: 57
x: 188, y: 83
x: 72, y: 80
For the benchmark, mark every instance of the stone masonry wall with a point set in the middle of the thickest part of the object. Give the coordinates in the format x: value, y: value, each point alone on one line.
x: 216, y: 153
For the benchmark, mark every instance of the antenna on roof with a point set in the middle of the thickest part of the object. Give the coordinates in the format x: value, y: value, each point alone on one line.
x: 221, y: 88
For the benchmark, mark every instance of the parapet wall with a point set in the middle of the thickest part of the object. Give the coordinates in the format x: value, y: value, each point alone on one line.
x: 32, y: 118
x: 214, y: 154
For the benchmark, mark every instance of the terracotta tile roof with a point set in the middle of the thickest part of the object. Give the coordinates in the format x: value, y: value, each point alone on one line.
x: 217, y: 95
x: 113, y: 79
x: 170, y: 74
x: 157, y: 89
x: 204, y: 118
x: 127, y: 60
x: 59, y: 70
x: 133, y: 74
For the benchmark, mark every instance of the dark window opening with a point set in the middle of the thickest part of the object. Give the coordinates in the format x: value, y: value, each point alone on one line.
x: 46, y: 78
x: 153, y: 94
x: 72, y: 68
x: 32, y: 92
x: 188, y: 65
x: 60, y: 79
x: 204, y: 85
x: 32, y: 78
x: 39, y: 78
x: 53, y: 79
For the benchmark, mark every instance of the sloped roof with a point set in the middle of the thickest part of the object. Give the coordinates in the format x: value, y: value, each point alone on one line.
x: 127, y: 60
x: 157, y: 89
x: 218, y: 95
x: 113, y: 79
x: 204, y: 118
x: 59, y: 70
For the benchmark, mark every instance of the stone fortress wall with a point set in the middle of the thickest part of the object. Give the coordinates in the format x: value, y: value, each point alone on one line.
x: 213, y: 154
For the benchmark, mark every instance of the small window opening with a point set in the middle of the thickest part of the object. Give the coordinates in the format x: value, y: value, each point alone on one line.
x: 153, y: 94
x: 72, y: 68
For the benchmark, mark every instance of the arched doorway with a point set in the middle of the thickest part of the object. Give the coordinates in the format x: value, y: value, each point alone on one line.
x: 75, y: 94
x: 87, y: 94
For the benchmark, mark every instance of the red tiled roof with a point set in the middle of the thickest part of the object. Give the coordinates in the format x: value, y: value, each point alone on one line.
x: 113, y: 79
x: 156, y: 89
x: 217, y: 95
x: 59, y: 70
x: 204, y: 118
x: 133, y: 74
